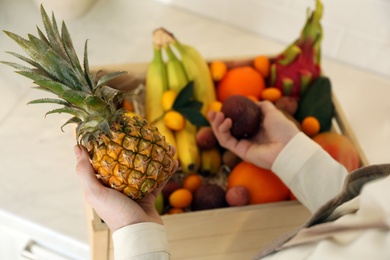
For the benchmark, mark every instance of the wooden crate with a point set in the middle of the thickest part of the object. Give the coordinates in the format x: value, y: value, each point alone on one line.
x: 228, y: 233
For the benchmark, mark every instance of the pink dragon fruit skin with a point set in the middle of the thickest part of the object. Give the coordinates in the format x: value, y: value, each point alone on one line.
x: 298, y: 65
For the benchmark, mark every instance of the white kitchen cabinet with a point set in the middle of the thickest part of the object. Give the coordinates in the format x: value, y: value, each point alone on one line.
x: 16, y: 245
x: 12, y: 243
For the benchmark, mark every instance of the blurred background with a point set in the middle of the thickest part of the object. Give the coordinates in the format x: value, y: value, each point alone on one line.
x: 39, y: 192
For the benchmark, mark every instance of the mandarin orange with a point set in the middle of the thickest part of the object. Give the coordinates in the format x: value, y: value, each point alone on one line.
x: 192, y: 182
x: 180, y: 198
x: 244, y: 81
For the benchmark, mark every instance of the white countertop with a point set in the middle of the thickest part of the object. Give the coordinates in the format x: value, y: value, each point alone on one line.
x: 39, y: 190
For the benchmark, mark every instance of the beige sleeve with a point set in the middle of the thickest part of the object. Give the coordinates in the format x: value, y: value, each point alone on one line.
x: 309, y: 171
x: 143, y: 241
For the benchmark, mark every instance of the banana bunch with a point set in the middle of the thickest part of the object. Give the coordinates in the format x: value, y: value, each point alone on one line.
x: 187, y: 148
x: 197, y: 70
x: 174, y: 74
x: 156, y: 84
x: 204, y: 90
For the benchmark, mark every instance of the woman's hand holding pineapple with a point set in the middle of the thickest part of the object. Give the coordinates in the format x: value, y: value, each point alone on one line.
x: 115, y: 208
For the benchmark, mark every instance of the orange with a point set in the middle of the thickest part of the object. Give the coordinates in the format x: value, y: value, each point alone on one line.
x: 262, y: 64
x: 180, y: 198
x: 167, y: 99
x: 310, y: 126
x: 214, y: 106
x: 174, y: 120
x: 218, y: 69
x: 192, y: 182
x: 263, y: 185
x: 271, y: 94
x: 244, y: 80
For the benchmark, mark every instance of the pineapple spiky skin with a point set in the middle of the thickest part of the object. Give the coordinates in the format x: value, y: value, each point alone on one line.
x: 293, y: 70
x: 127, y: 153
x: 135, y: 160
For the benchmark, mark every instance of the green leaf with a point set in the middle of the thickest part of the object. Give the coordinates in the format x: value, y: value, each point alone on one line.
x: 27, y: 60
x: 53, y: 86
x: 94, y: 104
x: 24, y: 44
x: 52, y: 33
x: 91, y: 126
x: 49, y: 100
x: 42, y: 36
x: 16, y: 65
x: 112, y: 96
x: 36, y: 77
x: 74, y: 97
x: 194, y: 104
x: 108, y: 92
x: 39, y: 45
x: 69, y: 110
x: 73, y: 120
x: 87, y: 73
x: 317, y: 102
x: 194, y: 116
x: 103, y: 80
x: 189, y: 107
x: 60, y: 69
x: 71, y: 52
x: 43, y: 89
x: 105, y: 127
x: 184, y: 96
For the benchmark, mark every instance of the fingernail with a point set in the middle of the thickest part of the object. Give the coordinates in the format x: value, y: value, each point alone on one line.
x: 77, y: 151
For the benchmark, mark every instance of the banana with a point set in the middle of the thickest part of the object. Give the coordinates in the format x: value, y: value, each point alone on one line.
x: 156, y: 84
x: 177, y: 76
x: 187, y: 149
x: 211, y: 161
x: 197, y: 70
x: 204, y: 90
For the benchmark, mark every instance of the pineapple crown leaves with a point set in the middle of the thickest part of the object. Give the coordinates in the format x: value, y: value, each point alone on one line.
x: 57, y: 69
x: 54, y: 59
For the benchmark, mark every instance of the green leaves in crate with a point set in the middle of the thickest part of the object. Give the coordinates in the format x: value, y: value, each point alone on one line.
x: 189, y: 107
x: 317, y: 102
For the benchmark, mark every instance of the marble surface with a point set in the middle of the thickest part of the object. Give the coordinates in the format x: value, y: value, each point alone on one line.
x: 39, y: 190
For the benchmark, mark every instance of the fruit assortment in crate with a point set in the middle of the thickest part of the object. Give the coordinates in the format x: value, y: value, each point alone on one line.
x: 134, y: 155
x: 182, y: 87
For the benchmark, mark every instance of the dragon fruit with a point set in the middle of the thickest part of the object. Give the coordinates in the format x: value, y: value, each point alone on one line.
x: 293, y: 70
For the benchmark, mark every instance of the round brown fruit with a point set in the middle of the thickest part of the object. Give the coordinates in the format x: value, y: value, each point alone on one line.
x: 237, y: 196
x: 209, y: 196
x: 287, y: 104
x: 230, y: 159
x: 245, y: 114
x: 205, y: 138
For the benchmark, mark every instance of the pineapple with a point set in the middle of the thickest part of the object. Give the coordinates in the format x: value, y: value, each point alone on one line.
x: 127, y: 153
